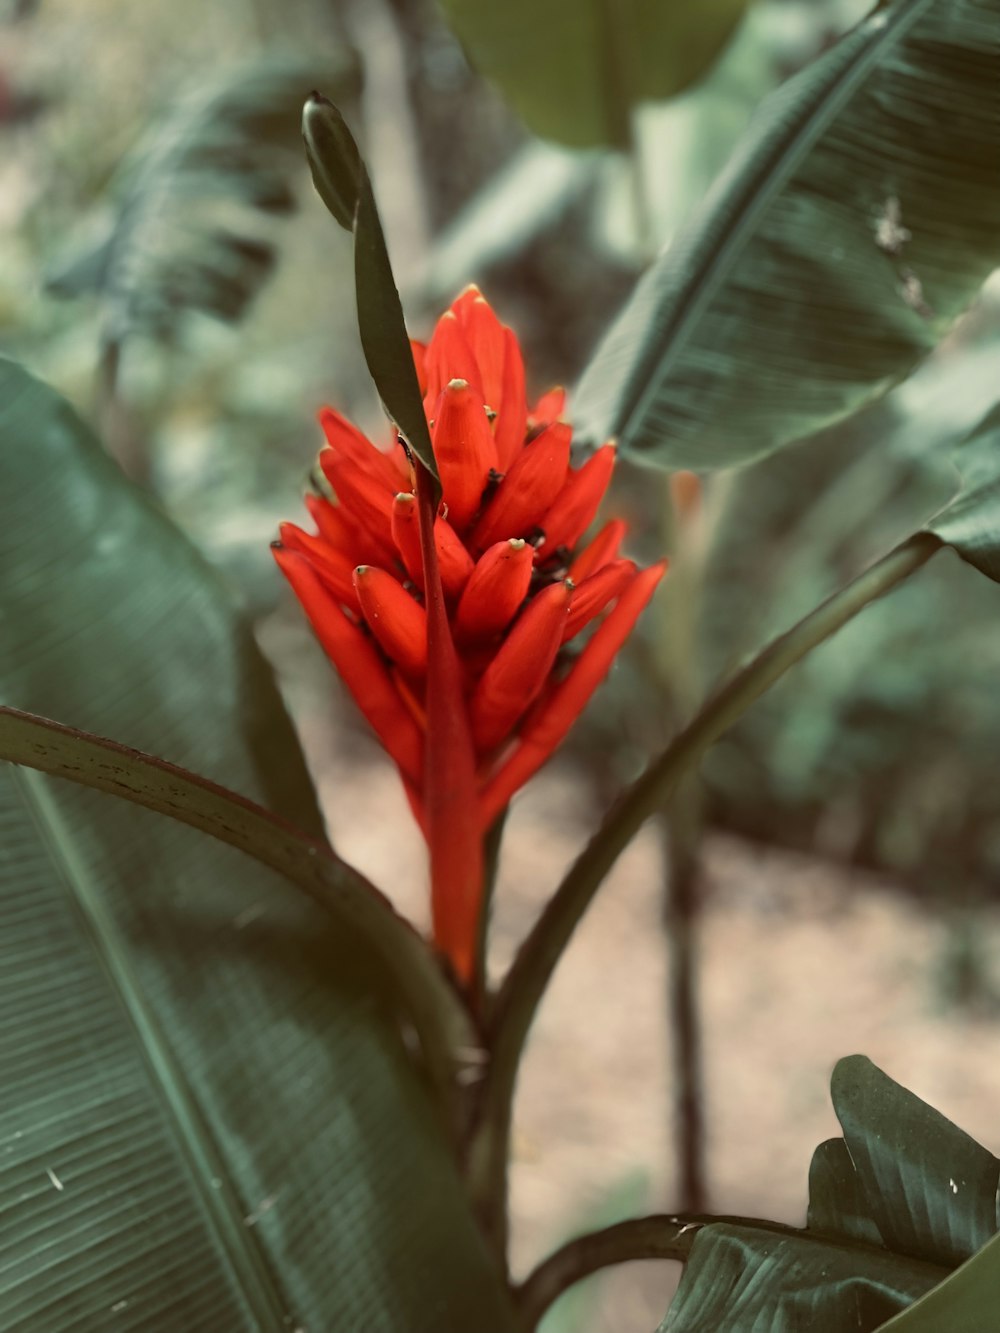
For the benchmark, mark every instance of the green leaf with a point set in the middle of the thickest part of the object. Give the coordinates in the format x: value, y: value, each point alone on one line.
x: 342, y: 182
x: 859, y: 217
x: 193, y: 200
x: 743, y: 1279
x: 929, y: 1188
x: 210, y: 1119
x: 965, y: 1302
x: 971, y: 522
x: 902, y: 1199
x: 573, y: 71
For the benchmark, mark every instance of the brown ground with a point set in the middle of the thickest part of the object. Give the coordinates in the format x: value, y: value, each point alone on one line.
x: 803, y: 962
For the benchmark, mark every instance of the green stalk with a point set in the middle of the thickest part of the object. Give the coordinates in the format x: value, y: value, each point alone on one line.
x: 659, y: 1237
x: 524, y: 986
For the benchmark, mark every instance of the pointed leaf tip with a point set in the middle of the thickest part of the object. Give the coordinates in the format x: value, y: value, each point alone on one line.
x: 334, y: 159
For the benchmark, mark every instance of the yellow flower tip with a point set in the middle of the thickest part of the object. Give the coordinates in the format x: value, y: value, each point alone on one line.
x: 458, y: 384
x: 516, y: 543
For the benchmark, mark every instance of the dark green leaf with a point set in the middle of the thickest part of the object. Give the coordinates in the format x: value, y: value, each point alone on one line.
x: 965, y: 1302
x: 836, y: 1202
x: 574, y: 70
x: 971, y: 522
x: 902, y: 1199
x: 209, y: 1117
x: 742, y: 1279
x: 859, y: 217
x: 344, y: 186
x: 929, y: 1187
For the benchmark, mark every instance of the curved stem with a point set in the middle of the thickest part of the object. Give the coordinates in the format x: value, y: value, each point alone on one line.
x: 657, y: 1237
x: 522, y: 990
x: 434, y: 1008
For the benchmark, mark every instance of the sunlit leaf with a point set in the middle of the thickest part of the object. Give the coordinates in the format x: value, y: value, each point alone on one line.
x: 858, y: 218
x: 971, y: 522
x: 573, y: 70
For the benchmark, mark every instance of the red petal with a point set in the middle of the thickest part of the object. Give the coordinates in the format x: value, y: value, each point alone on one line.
x: 485, y: 335
x: 454, y: 561
x: 574, y: 509
x: 449, y: 357
x: 399, y: 624
x: 549, y: 728
x: 365, y: 500
x: 601, y: 551
x: 348, y: 443
x: 594, y: 594
x: 521, y: 667
x: 529, y: 489
x: 406, y: 535
x: 334, y: 568
x: 359, y: 664
x: 495, y: 591
x: 419, y: 353
x: 512, y: 411
x: 464, y: 451
x: 549, y: 408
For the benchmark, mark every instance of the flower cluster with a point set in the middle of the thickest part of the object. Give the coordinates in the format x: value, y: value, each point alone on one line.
x: 470, y: 701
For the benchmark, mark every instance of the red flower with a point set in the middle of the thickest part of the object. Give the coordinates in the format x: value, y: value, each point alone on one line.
x: 465, y: 665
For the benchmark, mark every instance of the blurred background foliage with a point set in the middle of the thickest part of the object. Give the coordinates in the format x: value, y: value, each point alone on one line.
x: 153, y: 193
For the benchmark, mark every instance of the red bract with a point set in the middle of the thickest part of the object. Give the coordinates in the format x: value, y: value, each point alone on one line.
x: 461, y: 652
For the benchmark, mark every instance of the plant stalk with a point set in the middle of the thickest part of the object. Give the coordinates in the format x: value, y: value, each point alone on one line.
x: 657, y: 1237
x: 525, y: 984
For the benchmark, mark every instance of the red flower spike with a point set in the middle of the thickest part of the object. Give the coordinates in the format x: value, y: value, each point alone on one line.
x: 573, y: 510
x: 549, y: 728
x: 512, y: 410
x: 515, y: 677
x: 495, y: 591
x: 599, y: 552
x: 399, y: 624
x: 464, y: 451
x: 535, y: 479
x: 453, y: 840
x: 360, y: 667
x: 594, y: 594
x: 333, y: 567
x: 348, y: 443
x: 453, y: 662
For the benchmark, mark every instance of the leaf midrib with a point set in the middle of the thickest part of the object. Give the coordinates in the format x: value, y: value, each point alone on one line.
x: 193, y: 1139
x: 776, y: 170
